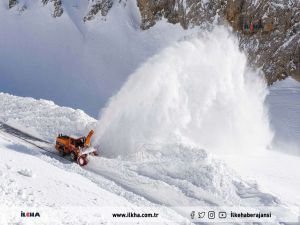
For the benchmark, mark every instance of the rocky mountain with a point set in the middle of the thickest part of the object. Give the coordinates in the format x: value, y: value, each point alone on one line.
x: 269, y: 31
x: 57, y: 5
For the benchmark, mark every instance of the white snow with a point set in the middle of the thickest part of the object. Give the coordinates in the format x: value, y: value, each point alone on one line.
x: 198, y: 92
x: 181, y: 176
x: 274, y: 172
x: 60, y: 190
x: 284, y: 107
x: 25, y: 172
x: 50, y: 186
x: 156, y: 135
x: 156, y: 175
x: 176, y: 175
x: 74, y: 63
x: 43, y: 118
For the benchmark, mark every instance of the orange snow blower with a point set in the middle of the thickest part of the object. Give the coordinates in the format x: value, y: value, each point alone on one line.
x: 77, y: 148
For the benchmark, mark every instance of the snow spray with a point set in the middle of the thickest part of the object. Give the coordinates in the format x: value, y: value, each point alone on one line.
x: 197, y: 92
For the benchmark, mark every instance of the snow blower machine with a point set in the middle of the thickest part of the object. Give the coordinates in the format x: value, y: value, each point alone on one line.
x: 77, y: 148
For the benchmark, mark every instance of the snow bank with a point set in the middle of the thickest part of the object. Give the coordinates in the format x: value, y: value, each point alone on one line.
x: 43, y: 118
x: 198, y: 92
x: 188, y: 175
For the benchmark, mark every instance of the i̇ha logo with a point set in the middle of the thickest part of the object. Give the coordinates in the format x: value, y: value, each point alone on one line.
x: 30, y: 214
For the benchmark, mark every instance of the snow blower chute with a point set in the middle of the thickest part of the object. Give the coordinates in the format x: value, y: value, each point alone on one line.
x: 77, y: 148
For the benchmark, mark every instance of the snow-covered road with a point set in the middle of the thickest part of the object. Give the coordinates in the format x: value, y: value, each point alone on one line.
x: 31, y: 178
x: 179, y: 177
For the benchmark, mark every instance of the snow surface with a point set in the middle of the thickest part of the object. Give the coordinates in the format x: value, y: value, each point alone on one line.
x: 27, y: 182
x: 284, y: 108
x: 43, y: 118
x: 168, y: 175
x: 181, y: 176
x: 70, y: 62
x: 274, y: 172
x: 170, y: 161
x: 154, y: 174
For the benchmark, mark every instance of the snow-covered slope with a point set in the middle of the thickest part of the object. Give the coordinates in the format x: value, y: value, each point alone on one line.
x: 62, y: 192
x: 24, y: 178
x: 74, y: 64
x: 274, y: 170
x: 175, y: 175
x: 284, y: 108
x: 181, y: 177
x: 171, y: 172
x: 157, y: 175
x: 157, y: 134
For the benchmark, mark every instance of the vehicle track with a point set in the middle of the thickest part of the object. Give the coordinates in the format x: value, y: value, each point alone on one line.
x: 29, y: 139
x: 98, y: 179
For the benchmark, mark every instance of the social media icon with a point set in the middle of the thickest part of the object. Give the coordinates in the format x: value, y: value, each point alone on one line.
x: 211, y: 214
x: 193, y: 215
x: 201, y: 215
x: 222, y: 215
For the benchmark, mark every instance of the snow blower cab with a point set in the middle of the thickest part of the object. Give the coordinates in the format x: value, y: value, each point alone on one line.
x: 77, y: 148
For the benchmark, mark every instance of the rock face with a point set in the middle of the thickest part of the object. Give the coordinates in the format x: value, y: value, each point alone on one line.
x: 98, y: 6
x: 269, y: 31
x: 12, y: 3
x: 152, y: 11
x: 188, y: 13
x: 273, y: 41
x: 57, y: 4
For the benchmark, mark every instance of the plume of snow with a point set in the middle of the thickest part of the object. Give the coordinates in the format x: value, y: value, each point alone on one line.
x: 197, y: 92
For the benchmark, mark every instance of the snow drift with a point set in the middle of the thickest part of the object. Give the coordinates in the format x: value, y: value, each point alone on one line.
x: 197, y: 92
x: 43, y: 118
